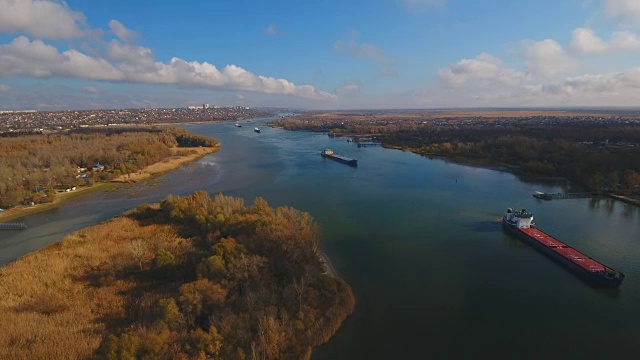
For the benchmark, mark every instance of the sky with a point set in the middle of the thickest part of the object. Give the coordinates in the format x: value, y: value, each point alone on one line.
x: 329, y: 54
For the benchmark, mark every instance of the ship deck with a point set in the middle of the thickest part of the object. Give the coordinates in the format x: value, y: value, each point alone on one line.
x: 564, y: 250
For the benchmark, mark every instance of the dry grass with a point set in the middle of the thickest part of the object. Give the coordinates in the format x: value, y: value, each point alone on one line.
x: 180, y: 156
x: 50, y: 307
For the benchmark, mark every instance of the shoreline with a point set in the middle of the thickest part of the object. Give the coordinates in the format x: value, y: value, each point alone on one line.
x: 150, y: 171
x: 461, y: 160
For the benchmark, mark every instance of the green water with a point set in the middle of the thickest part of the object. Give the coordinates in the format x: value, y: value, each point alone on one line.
x: 420, y: 243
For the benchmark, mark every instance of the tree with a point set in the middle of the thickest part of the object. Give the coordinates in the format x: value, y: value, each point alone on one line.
x: 631, y: 179
x: 164, y: 259
x: 138, y: 251
x: 169, y: 313
x: 199, y: 298
x: 613, y: 181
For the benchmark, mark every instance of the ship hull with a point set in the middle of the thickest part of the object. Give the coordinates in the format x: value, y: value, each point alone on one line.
x: 350, y: 162
x: 591, y: 277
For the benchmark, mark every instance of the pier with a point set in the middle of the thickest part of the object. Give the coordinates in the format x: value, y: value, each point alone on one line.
x: 13, y: 226
x: 558, y: 196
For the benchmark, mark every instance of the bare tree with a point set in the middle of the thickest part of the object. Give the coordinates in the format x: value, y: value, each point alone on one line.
x: 138, y: 250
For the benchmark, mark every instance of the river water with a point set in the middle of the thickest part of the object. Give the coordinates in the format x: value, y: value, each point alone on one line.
x: 419, y: 241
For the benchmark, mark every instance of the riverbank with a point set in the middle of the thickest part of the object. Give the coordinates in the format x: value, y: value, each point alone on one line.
x: 625, y: 199
x: 180, y: 157
x: 24, y: 210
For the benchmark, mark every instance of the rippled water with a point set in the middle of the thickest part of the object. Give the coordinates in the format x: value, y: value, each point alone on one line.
x: 419, y: 241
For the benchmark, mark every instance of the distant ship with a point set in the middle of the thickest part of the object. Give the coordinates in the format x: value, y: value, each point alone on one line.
x: 256, y: 130
x: 328, y: 153
x: 520, y: 223
x: 238, y: 125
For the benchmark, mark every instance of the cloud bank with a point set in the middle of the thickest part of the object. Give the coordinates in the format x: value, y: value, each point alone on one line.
x: 117, y: 60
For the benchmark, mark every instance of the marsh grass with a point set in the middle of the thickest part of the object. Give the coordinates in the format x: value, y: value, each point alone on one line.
x: 51, y: 309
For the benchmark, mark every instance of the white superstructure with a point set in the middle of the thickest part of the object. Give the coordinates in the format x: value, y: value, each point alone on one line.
x: 521, y: 219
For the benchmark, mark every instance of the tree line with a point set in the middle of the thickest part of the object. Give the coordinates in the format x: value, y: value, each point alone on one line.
x: 597, y: 156
x: 33, y: 167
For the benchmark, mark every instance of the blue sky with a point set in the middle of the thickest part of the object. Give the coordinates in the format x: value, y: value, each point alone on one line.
x: 330, y: 54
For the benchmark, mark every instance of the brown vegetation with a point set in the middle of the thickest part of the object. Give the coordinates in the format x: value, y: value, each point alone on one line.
x: 178, y: 157
x: 191, y: 278
x: 34, y: 168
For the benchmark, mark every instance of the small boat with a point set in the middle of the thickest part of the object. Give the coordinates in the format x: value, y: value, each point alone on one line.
x: 238, y: 125
x: 256, y: 130
x: 541, y: 195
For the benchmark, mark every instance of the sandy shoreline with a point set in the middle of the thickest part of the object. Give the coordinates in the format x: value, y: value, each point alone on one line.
x: 181, y: 156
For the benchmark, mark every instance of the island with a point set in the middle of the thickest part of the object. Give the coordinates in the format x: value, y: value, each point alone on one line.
x: 193, y: 277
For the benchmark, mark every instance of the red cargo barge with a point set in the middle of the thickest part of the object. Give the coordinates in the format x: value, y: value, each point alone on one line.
x: 519, y: 223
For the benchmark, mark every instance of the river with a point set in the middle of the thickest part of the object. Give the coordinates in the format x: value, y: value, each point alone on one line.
x: 419, y: 241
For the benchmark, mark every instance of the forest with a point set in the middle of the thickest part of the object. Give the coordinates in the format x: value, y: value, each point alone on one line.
x: 193, y: 277
x: 600, y: 157
x: 33, y: 168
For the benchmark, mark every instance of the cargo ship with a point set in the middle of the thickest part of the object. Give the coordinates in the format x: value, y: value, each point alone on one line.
x: 520, y: 223
x: 328, y: 154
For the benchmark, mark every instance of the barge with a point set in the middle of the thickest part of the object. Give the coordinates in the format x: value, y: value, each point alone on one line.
x: 328, y: 154
x: 520, y: 224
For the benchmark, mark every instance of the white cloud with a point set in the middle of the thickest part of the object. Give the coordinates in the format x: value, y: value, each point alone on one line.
x: 359, y: 50
x: 348, y: 88
x: 118, y: 51
x: 271, y: 30
x: 625, y: 10
x: 122, y: 32
x: 483, y: 66
x: 486, y: 81
x: 41, y: 18
x: 35, y: 58
x: 547, y: 58
x: 610, y: 84
x: 625, y: 40
x: 585, y: 41
x: 136, y: 64
x: 4, y: 88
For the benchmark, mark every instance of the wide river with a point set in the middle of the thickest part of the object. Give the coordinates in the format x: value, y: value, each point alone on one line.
x: 420, y: 242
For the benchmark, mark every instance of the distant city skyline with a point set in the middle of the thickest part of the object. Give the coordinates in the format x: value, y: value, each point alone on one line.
x: 334, y: 54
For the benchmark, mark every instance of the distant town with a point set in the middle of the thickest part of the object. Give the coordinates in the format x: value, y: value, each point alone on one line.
x: 30, y: 120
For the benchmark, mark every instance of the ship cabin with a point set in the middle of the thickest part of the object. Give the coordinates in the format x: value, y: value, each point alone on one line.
x: 327, y: 152
x: 521, y: 219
